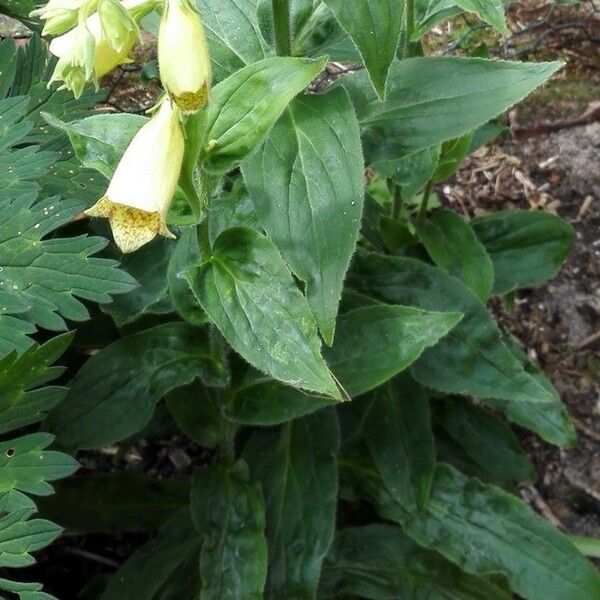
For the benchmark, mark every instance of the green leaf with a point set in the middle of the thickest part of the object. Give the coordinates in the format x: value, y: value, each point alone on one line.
x: 260, y: 400
x: 551, y: 420
x: 247, y: 104
x: 107, y: 404
x: 472, y: 358
x: 19, y: 9
x: 398, y: 433
x: 527, y: 248
x: 297, y: 467
x: 375, y: 343
x: 20, y: 403
x: 197, y: 414
x: 100, y: 141
x: 453, y: 152
x: 166, y: 568
x: 413, y: 171
x: 490, y: 11
x: 112, y: 503
x: 420, y: 111
x: 248, y: 292
x: 306, y: 182
x: 20, y: 164
x: 19, y: 536
x: 374, y: 26
x: 380, y: 562
x: 47, y: 276
x: 185, y: 254
x: 229, y: 511
x: 485, y: 530
x: 486, y: 440
x: 233, y: 33
x: 149, y: 267
x: 25, y: 466
x: 452, y: 245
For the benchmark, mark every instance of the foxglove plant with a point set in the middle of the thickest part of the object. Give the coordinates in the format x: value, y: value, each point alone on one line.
x: 329, y: 340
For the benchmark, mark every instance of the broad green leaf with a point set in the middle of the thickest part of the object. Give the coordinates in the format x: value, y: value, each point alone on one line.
x: 166, y: 568
x: 148, y: 266
x: 26, y: 465
x: 232, y: 209
x: 551, y: 421
x: 380, y: 562
x: 472, y: 358
x: 322, y: 35
x: 453, y: 152
x: 185, y: 254
x: 19, y: 536
x: 48, y: 276
x: 247, y: 104
x: 398, y: 433
x: 248, y: 292
x: 486, y: 440
x: 260, y: 400
x: 375, y: 343
x: 100, y: 141
x: 433, y: 99
x: 229, y: 512
x: 197, y: 413
x: 233, y: 33
x: 111, y: 503
x: 430, y: 12
x: 106, y: 404
x: 452, y: 245
x: 490, y: 11
x: 527, y: 248
x: 485, y: 530
x: 297, y: 467
x: 413, y: 171
x: 374, y: 26
x: 306, y: 183
x: 20, y: 403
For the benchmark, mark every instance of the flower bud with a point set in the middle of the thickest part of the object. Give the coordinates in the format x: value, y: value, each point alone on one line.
x: 60, y: 15
x: 76, y: 66
x: 118, y: 27
x: 183, y: 56
x: 144, y: 182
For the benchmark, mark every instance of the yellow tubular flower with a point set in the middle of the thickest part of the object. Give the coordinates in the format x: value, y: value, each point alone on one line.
x: 144, y: 183
x: 59, y: 15
x: 183, y: 56
x: 106, y: 58
x: 76, y: 66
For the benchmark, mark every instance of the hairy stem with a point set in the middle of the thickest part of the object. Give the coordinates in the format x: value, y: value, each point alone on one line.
x: 283, y: 32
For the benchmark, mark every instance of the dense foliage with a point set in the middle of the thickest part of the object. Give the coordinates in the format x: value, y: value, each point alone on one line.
x: 292, y: 297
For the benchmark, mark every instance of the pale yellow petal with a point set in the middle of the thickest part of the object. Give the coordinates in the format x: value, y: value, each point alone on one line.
x: 102, y: 208
x: 133, y: 228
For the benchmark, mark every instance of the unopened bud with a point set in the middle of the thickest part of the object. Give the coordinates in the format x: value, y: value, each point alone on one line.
x: 118, y: 27
x: 183, y: 56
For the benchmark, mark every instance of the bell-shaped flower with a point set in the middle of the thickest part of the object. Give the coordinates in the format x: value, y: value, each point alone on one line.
x: 183, y: 56
x: 106, y: 57
x: 144, y: 182
x: 61, y: 15
x: 76, y: 66
x: 118, y: 27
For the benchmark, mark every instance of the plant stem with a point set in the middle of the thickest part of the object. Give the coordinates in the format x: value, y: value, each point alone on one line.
x: 407, y: 28
x: 283, y: 32
x: 425, y: 200
x: 397, y: 206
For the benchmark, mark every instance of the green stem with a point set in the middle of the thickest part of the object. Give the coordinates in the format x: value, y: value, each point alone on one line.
x: 283, y: 31
x: 397, y: 206
x: 228, y: 445
x: 425, y: 200
x: 407, y: 28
